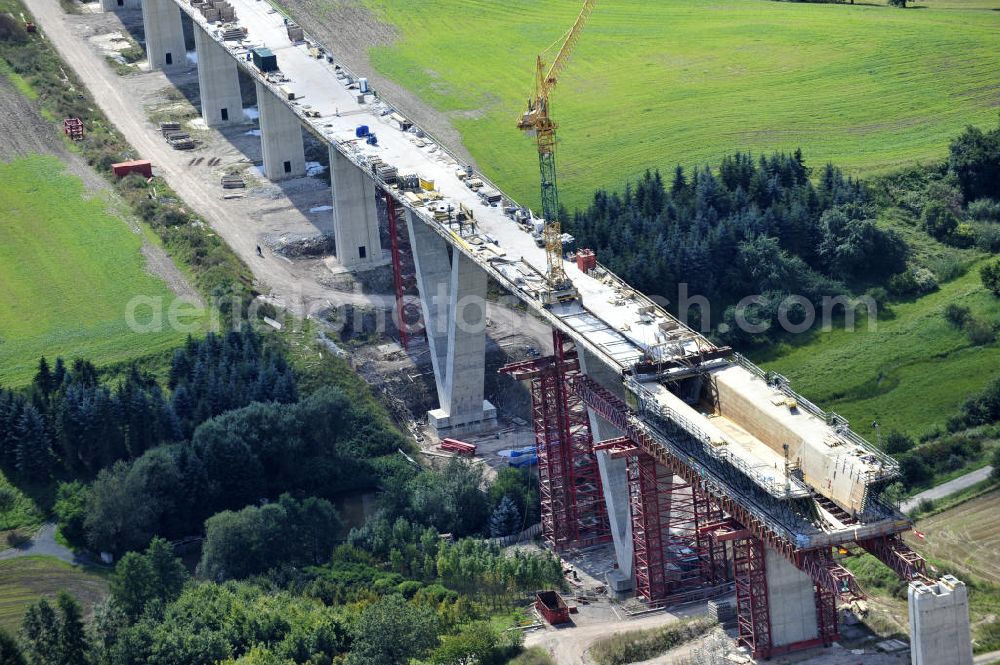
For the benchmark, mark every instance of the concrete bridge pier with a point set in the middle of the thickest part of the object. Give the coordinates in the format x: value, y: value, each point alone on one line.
x: 280, y: 137
x: 355, y: 215
x: 161, y: 21
x: 792, y: 603
x: 614, y: 478
x: 218, y: 82
x: 453, y: 300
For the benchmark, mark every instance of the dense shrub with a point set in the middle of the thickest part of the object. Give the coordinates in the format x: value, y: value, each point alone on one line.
x: 255, y: 539
x: 975, y: 161
x: 990, y: 275
x: 984, y: 210
x: 957, y: 315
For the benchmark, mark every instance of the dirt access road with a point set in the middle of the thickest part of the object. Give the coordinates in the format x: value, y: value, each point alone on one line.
x: 291, y: 286
x: 569, y: 646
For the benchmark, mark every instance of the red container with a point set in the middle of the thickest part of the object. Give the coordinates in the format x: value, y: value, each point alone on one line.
x: 586, y: 260
x: 141, y: 166
x: 456, y: 446
x: 551, y: 606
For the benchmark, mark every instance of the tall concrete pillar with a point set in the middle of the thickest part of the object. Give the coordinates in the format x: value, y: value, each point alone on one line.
x: 453, y: 300
x: 218, y: 82
x: 161, y: 20
x: 614, y: 478
x: 791, y: 601
x: 939, y: 623
x: 280, y: 137
x: 355, y: 217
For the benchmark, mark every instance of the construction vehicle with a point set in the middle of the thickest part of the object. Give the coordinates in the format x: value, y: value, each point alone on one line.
x: 536, y: 120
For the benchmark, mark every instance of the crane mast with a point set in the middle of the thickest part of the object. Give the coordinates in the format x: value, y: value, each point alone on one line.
x: 537, y: 120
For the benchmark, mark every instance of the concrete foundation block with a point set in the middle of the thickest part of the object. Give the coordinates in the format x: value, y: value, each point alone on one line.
x: 441, y: 422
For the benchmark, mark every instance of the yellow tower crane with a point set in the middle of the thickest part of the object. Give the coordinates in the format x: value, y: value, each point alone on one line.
x: 537, y: 120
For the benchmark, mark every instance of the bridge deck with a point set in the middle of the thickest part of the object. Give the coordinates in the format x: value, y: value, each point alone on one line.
x: 620, y: 326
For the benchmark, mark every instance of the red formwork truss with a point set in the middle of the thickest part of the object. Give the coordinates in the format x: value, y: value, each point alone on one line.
x: 572, y: 497
x: 404, y: 272
x: 893, y: 552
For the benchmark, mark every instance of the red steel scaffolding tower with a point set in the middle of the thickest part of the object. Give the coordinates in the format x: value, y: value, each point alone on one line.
x: 572, y: 497
x: 674, y: 557
x: 404, y: 272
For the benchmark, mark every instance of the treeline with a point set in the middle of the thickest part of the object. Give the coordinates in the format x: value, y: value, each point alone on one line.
x: 754, y: 226
x: 70, y: 420
x: 318, y: 447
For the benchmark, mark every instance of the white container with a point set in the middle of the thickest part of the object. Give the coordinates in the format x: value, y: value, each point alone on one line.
x: 363, y: 84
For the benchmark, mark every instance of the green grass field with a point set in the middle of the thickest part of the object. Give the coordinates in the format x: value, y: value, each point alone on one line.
x: 911, y: 373
x: 68, y: 268
x: 869, y: 88
x: 26, y: 579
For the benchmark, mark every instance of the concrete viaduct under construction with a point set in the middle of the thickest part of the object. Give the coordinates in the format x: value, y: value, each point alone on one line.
x: 704, y: 471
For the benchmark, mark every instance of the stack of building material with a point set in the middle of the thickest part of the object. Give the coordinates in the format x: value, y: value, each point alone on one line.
x: 409, y: 182
x: 233, y: 182
x: 215, y: 10
x: 722, y: 612
x: 178, y: 139
x: 586, y: 260
x: 295, y: 32
x: 383, y: 171
x: 233, y: 33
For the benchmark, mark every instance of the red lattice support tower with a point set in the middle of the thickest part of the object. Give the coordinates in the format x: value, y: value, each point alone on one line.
x: 752, y: 610
x: 404, y: 273
x: 589, y: 510
x: 827, y: 625
x: 648, y: 502
x: 572, y: 497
